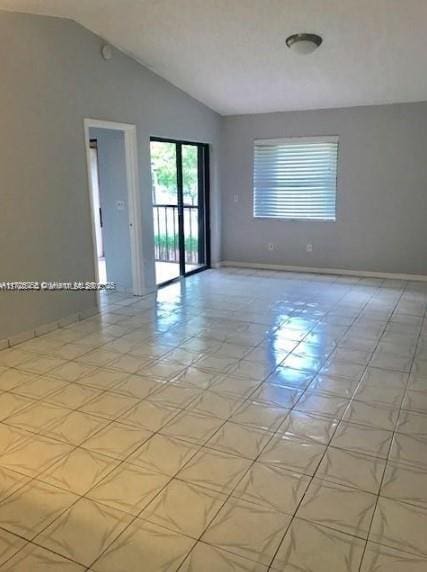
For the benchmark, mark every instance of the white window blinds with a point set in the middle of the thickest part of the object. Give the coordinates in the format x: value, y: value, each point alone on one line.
x: 296, y: 179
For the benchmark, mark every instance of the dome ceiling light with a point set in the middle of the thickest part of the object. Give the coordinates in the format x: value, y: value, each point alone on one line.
x: 304, y: 43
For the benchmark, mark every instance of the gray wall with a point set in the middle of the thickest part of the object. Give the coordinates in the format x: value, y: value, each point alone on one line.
x: 53, y: 76
x: 382, y: 191
x: 112, y: 183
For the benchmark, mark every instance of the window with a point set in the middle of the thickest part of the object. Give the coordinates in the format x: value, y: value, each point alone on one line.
x: 296, y: 179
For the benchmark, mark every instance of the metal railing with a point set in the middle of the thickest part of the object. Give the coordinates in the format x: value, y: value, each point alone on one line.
x: 166, y: 233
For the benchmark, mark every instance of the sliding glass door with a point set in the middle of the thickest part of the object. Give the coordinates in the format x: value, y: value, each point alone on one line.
x: 180, y: 175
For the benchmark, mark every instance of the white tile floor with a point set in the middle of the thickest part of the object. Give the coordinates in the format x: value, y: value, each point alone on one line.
x: 166, y: 271
x: 239, y: 421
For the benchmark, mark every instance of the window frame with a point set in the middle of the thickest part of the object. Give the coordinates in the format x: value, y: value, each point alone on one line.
x: 296, y: 140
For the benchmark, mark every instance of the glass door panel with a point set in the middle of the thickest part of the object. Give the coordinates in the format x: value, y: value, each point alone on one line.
x: 192, y: 187
x: 165, y: 210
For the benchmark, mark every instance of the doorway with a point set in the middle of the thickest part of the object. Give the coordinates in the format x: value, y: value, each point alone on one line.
x: 111, y: 151
x: 180, y: 176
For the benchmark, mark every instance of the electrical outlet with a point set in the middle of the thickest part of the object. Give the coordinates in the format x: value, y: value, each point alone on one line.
x: 270, y: 246
x: 309, y: 247
x: 236, y: 198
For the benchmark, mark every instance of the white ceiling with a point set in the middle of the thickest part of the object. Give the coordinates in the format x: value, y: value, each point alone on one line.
x: 231, y: 54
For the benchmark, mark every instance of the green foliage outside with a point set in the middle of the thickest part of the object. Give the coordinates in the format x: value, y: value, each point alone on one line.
x: 171, y: 242
x: 163, y: 165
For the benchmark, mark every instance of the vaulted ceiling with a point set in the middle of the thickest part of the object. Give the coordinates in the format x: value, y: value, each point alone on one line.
x: 231, y: 54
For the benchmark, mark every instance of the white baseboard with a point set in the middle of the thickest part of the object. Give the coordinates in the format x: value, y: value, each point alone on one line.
x: 333, y: 271
x: 46, y: 328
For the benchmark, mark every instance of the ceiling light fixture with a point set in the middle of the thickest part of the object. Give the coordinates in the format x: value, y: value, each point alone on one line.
x: 304, y: 43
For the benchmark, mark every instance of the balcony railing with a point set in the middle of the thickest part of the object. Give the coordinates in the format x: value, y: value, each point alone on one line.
x: 166, y: 233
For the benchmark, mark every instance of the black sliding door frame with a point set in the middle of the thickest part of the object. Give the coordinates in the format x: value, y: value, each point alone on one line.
x: 204, y: 243
x: 180, y: 197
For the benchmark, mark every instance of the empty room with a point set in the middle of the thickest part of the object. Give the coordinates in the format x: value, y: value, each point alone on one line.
x: 213, y: 286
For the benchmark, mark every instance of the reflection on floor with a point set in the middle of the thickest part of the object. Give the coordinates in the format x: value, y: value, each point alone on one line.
x: 166, y: 271
x: 238, y: 420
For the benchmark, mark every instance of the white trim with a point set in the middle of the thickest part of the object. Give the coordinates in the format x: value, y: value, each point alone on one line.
x: 334, y: 271
x: 298, y: 140
x: 134, y: 200
x: 135, y: 218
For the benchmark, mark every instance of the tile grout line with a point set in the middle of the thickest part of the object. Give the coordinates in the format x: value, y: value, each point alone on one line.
x: 220, y: 508
x: 326, y: 448
x: 253, y: 460
x: 393, y: 432
x: 188, y: 406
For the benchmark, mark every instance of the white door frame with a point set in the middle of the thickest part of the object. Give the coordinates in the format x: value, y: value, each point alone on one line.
x: 133, y: 193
